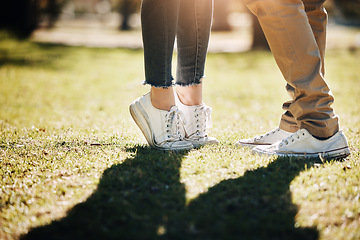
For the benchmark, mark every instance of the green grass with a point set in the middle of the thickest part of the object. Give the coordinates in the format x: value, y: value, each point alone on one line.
x: 75, y: 166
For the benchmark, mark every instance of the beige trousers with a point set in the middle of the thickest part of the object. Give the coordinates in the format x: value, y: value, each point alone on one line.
x: 296, y: 32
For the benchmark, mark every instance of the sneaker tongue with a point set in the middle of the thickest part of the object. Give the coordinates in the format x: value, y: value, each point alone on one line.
x: 208, y: 111
x: 295, y: 136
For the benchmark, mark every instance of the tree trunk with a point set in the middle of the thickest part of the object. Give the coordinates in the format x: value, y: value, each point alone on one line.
x: 21, y: 16
x: 347, y: 11
x: 125, y: 11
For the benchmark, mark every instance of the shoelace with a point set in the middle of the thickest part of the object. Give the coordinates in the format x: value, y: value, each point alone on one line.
x: 173, y: 120
x: 267, y: 134
x: 292, y: 138
x: 204, y: 121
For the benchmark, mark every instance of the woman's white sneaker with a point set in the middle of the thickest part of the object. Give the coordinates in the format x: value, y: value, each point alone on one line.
x: 162, y: 129
x: 266, y: 139
x: 303, y: 144
x: 197, y: 123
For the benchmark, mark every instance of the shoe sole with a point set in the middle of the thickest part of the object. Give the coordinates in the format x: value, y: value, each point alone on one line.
x: 249, y: 145
x: 333, y: 154
x: 141, y: 119
x: 137, y: 114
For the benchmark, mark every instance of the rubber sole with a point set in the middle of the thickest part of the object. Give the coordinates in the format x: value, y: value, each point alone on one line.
x: 334, y: 154
x: 137, y: 114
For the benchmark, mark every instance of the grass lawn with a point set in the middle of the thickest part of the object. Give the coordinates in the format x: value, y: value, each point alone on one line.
x: 74, y: 165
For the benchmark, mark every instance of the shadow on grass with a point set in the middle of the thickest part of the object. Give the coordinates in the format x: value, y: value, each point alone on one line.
x: 143, y: 198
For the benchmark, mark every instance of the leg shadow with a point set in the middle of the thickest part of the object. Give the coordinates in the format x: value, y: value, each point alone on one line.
x: 142, y: 198
x: 257, y: 205
x: 134, y: 200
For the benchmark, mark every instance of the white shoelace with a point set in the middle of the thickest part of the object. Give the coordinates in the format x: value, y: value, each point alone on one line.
x: 272, y: 132
x: 292, y: 138
x: 173, y: 119
x: 203, y: 120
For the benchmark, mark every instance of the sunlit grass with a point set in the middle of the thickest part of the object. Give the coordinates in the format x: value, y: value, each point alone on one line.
x: 74, y: 162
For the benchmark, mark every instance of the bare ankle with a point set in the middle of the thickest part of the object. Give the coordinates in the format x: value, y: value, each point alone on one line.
x: 162, y: 98
x: 190, y: 95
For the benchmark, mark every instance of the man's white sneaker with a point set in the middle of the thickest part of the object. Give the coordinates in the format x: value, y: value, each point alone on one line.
x: 162, y: 129
x: 267, y: 139
x: 303, y: 144
x: 197, y: 123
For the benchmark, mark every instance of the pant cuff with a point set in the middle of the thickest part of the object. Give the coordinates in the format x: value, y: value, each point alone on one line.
x: 288, y: 127
x: 158, y: 86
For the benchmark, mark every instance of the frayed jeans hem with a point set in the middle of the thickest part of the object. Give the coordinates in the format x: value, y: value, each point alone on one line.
x: 157, y: 86
x: 195, y: 82
x: 189, y: 84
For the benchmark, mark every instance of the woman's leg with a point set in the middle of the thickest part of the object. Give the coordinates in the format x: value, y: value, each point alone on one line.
x: 192, y: 40
x: 193, y: 34
x: 159, y: 20
x: 162, y: 98
x: 155, y: 113
x: 190, y: 95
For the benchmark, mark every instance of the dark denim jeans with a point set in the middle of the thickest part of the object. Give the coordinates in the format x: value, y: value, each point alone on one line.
x: 187, y: 20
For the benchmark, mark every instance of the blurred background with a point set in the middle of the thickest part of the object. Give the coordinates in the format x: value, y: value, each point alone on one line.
x: 116, y: 23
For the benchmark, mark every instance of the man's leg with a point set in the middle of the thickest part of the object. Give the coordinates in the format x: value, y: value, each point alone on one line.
x: 291, y: 39
x: 317, y: 16
x: 296, y: 51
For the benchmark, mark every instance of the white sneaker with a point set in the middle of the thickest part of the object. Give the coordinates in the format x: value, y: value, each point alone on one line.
x: 197, y: 122
x: 267, y: 139
x: 303, y: 144
x: 162, y: 129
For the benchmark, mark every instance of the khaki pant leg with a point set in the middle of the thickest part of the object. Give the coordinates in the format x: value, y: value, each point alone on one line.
x: 300, y: 59
x: 317, y: 16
